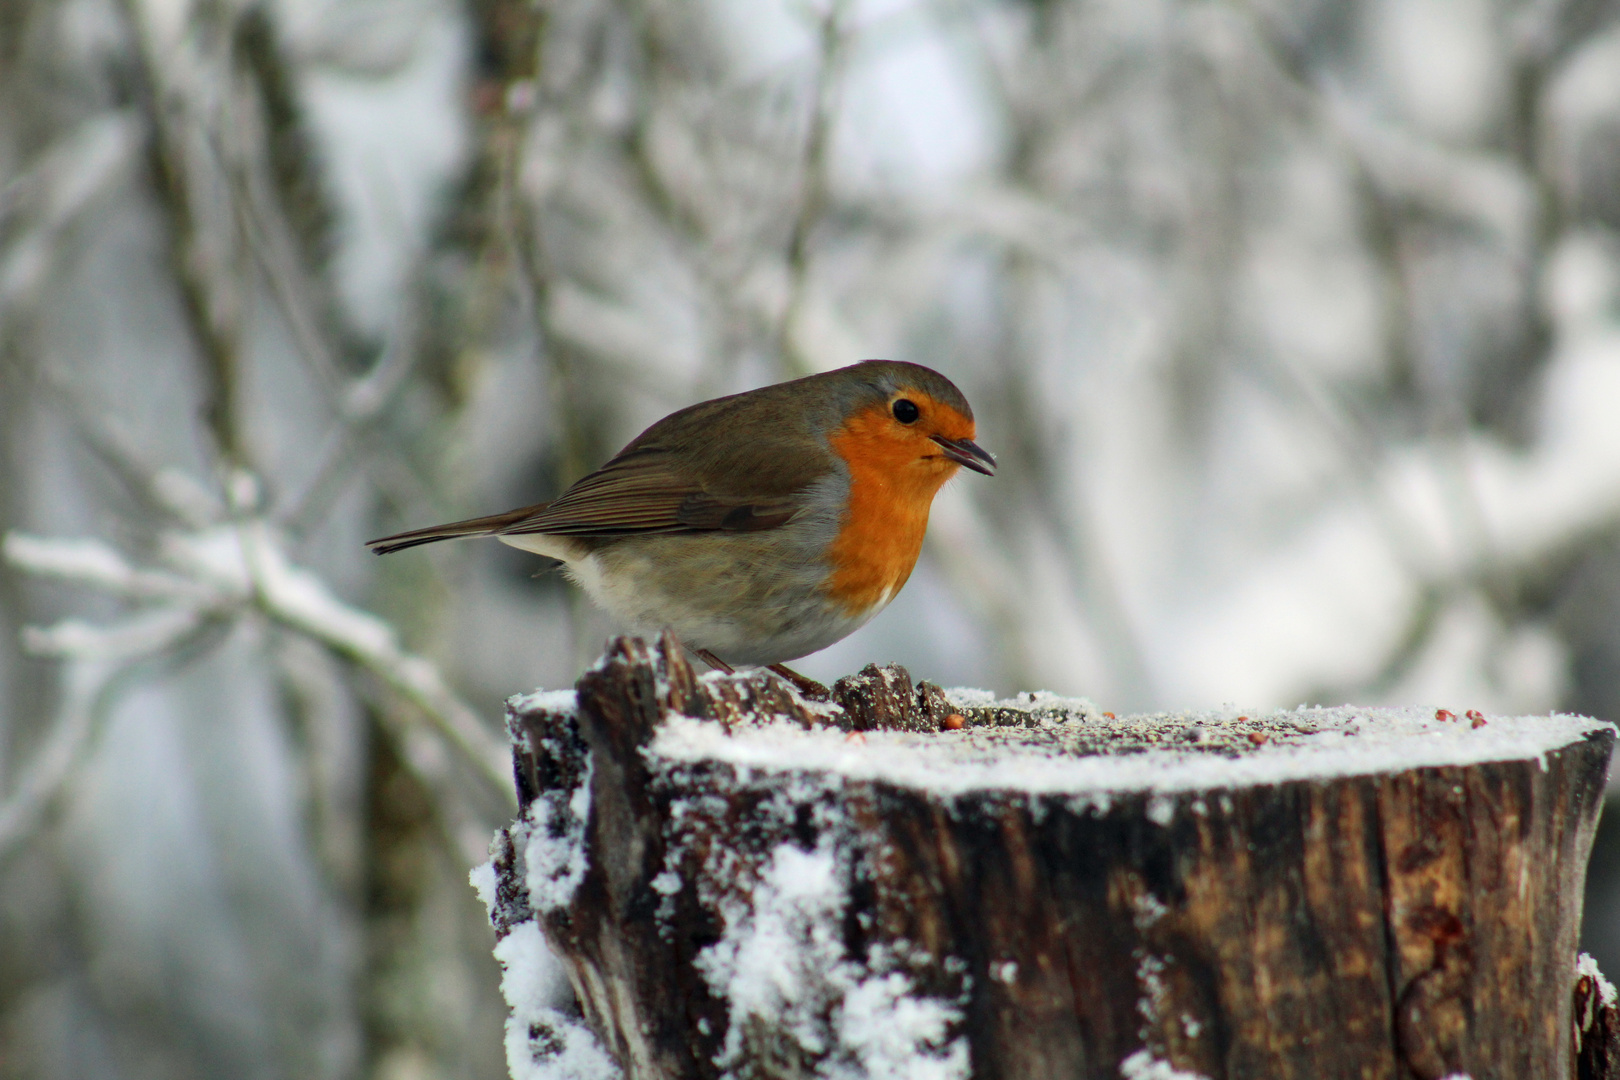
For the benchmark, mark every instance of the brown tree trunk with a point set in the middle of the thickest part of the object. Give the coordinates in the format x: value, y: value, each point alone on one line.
x: 740, y: 884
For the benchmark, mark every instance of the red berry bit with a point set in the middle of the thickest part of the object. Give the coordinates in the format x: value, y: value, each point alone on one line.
x: 1445, y: 714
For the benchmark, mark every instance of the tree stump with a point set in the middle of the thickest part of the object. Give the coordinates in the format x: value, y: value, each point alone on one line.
x: 913, y: 883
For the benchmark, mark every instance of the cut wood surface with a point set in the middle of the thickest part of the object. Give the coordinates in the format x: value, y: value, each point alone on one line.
x: 921, y: 883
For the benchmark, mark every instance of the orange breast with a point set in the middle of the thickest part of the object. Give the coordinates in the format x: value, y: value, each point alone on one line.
x: 891, y: 489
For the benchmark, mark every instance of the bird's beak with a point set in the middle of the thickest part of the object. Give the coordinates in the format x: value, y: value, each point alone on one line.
x: 967, y: 453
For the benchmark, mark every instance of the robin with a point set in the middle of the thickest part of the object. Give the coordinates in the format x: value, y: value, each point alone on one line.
x: 762, y: 526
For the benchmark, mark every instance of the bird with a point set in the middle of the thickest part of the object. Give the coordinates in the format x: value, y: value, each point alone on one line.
x: 758, y: 527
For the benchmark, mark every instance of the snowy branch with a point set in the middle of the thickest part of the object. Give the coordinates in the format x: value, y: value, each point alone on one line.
x: 231, y: 568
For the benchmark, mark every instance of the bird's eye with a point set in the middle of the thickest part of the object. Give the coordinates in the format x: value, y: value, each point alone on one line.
x: 905, y: 410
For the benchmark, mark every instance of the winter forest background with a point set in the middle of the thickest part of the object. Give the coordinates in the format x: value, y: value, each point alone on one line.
x: 1295, y: 325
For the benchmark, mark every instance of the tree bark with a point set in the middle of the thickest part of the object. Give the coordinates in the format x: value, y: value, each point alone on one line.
x: 743, y: 883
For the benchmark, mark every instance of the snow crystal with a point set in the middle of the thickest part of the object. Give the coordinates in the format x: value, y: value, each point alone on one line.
x: 558, y: 702
x: 1299, y: 746
x: 782, y: 961
x: 1585, y: 965
x: 1147, y: 909
x: 970, y: 696
x: 1150, y: 975
x: 1161, y: 811
x: 542, y: 1041
x: 527, y: 984
x: 765, y: 966
x: 482, y: 879
x: 883, y: 1025
x: 553, y: 839
x: 1142, y: 1065
x: 1591, y: 1004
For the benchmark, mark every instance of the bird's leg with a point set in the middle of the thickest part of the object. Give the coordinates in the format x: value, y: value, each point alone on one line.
x: 803, y: 683
x: 713, y: 661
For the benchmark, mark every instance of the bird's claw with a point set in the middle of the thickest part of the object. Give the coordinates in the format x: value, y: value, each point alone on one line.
x: 802, y: 683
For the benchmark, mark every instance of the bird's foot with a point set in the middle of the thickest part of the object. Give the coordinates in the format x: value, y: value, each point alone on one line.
x: 802, y: 683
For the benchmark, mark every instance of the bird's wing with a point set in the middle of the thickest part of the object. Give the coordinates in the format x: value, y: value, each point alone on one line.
x: 648, y: 489
x: 690, y: 472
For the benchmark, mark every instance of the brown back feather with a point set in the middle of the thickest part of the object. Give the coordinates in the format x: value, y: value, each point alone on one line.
x: 739, y: 463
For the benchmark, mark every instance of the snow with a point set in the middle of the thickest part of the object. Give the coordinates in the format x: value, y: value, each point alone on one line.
x: 542, y: 1041
x: 772, y: 956
x: 892, y: 1032
x: 1591, y: 1004
x: 527, y: 987
x: 482, y: 879
x: 1060, y: 757
x: 93, y: 563
x: 1150, y: 975
x: 551, y: 834
x: 141, y: 634
x: 784, y: 968
x: 1142, y: 1065
x: 223, y: 569
x: 782, y: 962
x: 246, y: 559
x: 1585, y: 965
x: 557, y: 702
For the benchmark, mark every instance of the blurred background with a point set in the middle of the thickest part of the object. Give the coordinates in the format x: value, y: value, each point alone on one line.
x: 1295, y: 326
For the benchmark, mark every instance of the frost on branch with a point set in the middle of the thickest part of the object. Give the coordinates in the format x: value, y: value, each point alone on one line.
x: 214, y: 572
x: 910, y: 882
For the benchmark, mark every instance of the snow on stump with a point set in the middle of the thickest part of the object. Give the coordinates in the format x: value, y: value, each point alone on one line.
x: 915, y: 883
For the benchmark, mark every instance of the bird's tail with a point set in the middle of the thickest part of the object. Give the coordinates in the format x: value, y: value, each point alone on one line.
x: 484, y: 526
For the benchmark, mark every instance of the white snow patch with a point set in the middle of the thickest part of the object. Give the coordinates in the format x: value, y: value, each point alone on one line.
x: 970, y: 696
x: 1604, y: 998
x: 1142, y: 1065
x: 527, y: 984
x: 770, y: 957
x: 1585, y: 965
x: 1147, y: 909
x: 542, y: 1041
x: 482, y: 879
x: 142, y: 633
x: 554, y: 845
x: 890, y: 1032
x: 558, y: 702
x: 1161, y: 811
x: 781, y: 962
x: 95, y: 563
x: 971, y: 761
x: 1150, y: 976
